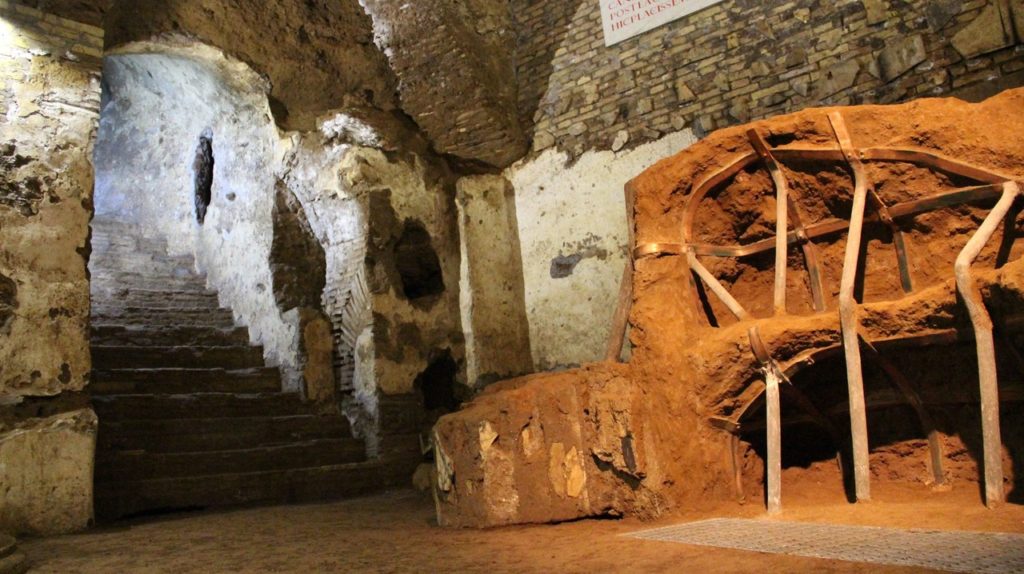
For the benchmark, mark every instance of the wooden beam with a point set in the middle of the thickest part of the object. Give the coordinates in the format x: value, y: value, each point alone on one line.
x: 981, y: 321
x: 774, y: 435
x: 913, y: 398
x: 848, y: 315
x: 620, y: 322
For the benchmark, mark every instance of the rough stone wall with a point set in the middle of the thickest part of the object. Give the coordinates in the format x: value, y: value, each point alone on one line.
x: 89, y: 12
x: 317, y: 54
x: 360, y: 201
x: 454, y: 62
x: 743, y: 59
x: 161, y: 98
x: 49, y: 97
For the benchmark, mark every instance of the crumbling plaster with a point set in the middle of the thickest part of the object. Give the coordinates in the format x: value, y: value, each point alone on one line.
x: 572, y: 229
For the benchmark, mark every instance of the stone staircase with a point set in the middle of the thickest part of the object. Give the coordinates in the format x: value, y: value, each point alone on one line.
x: 190, y: 416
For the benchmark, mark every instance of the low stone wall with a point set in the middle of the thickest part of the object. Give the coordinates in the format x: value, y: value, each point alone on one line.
x: 49, y: 95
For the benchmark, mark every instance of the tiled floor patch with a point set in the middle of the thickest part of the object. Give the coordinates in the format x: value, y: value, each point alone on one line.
x: 953, y: 551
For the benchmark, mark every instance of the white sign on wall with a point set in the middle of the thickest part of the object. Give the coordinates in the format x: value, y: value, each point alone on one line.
x: 624, y: 19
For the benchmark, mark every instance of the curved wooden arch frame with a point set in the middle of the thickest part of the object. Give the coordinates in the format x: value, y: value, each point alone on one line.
x: 993, y: 185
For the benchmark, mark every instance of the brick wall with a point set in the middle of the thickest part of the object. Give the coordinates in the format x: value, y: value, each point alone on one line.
x: 746, y: 59
x: 64, y: 39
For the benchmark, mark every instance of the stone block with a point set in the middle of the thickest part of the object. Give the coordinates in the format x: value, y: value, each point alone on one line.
x: 837, y: 78
x: 991, y: 30
x: 620, y: 141
x: 46, y: 469
x: 545, y: 448
x: 877, y: 11
x: 941, y: 12
x: 683, y: 92
x: 901, y: 56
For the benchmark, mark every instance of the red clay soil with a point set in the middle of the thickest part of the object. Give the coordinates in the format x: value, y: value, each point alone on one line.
x: 637, y: 439
x: 397, y: 533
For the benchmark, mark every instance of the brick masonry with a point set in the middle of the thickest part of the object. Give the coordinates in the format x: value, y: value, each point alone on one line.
x: 746, y: 59
x: 68, y: 40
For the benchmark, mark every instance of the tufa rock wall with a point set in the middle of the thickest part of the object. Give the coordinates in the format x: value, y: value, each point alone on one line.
x: 316, y: 54
x: 161, y: 99
x: 492, y: 293
x: 49, y: 96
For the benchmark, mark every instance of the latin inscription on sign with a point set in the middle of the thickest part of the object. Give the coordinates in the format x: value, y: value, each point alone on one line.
x: 624, y: 19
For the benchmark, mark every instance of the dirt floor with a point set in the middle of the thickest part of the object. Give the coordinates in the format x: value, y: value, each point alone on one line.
x: 396, y: 532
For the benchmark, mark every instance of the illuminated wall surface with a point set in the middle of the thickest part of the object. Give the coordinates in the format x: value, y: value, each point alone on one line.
x: 49, y: 97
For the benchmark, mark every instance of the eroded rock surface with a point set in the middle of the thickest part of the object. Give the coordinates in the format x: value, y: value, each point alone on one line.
x: 46, y: 468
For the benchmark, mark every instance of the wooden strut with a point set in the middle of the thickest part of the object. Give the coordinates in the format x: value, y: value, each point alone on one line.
x: 898, y: 239
x: 781, y: 219
x: 787, y: 205
x: 828, y: 226
x: 848, y: 314
x: 773, y: 377
x: 994, y: 185
x: 913, y: 398
x: 737, y: 467
x: 981, y: 321
x: 620, y: 322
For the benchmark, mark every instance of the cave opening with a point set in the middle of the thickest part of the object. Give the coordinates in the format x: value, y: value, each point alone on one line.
x: 417, y: 262
x: 437, y: 384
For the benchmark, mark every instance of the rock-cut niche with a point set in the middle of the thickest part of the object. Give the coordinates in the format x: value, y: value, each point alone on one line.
x: 202, y: 169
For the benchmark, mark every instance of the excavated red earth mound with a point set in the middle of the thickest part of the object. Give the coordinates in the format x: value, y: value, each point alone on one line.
x: 615, y: 439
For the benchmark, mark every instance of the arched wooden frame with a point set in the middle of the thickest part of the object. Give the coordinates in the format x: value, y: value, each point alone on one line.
x: 991, y: 185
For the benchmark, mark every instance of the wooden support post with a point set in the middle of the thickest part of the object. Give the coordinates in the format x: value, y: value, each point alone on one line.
x: 982, y: 323
x: 620, y: 323
x: 773, y: 408
x: 781, y: 219
x: 737, y: 468
x: 848, y: 315
x: 910, y: 393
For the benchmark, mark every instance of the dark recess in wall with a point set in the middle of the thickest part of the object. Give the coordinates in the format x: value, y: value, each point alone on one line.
x: 437, y: 384
x: 202, y: 169
x: 417, y: 262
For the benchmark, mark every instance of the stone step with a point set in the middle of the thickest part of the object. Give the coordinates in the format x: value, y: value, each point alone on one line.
x: 140, y: 465
x: 125, y: 498
x: 184, y: 381
x: 14, y: 563
x: 144, y: 336
x: 219, y: 433
x: 147, y: 316
x: 114, y: 305
x: 130, y: 275
x: 128, y: 259
x: 108, y: 285
x: 197, y: 406
x: 134, y: 357
x: 154, y: 298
